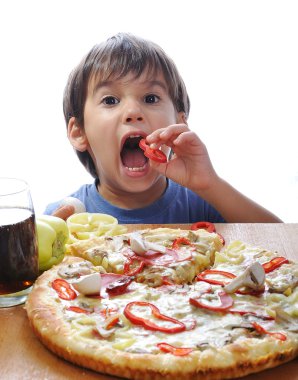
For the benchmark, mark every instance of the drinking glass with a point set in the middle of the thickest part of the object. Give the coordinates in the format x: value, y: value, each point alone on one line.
x: 18, y: 242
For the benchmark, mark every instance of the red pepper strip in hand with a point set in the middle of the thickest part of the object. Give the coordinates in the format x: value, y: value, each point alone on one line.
x: 129, y: 271
x: 204, y: 226
x: 154, y: 154
x: 275, y: 335
x: 202, y: 276
x: 147, y: 324
x: 63, y: 289
x: 225, y: 299
x: 177, y: 351
x: 179, y: 241
x: 275, y: 263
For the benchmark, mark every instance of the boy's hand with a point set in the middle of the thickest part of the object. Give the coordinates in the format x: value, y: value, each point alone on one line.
x: 64, y: 212
x: 190, y: 164
x: 191, y: 167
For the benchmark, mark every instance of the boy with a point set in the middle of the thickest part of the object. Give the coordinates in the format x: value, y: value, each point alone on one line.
x: 126, y: 89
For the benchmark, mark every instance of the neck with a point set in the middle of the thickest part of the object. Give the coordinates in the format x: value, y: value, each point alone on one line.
x: 128, y: 200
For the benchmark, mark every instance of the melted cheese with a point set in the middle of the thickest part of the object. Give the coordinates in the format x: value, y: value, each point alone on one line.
x: 213, y: 330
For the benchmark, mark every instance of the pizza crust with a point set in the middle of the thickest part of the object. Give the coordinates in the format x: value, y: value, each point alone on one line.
x: 47, y: 319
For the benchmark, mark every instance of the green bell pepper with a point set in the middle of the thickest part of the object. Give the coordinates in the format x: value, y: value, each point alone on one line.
x: 52, y: 236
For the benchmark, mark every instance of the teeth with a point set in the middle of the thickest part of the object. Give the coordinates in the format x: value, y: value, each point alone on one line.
x: 136, y: 169
x: 133, y: 136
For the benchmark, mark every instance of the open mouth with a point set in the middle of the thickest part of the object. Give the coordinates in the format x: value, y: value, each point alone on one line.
x: 132, y: 155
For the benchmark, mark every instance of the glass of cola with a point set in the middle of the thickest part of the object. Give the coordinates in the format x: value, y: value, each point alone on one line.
x: 18, y: 242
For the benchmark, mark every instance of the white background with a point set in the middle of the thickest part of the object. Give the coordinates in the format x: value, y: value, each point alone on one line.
x: 239, y: 60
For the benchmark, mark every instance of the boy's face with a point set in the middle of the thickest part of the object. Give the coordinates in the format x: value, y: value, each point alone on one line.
x: 117, y: 114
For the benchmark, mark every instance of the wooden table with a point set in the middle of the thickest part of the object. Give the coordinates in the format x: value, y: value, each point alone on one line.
x: 22, y: 356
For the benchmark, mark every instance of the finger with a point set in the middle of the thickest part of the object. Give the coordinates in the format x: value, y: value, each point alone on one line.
x: 173, y: 131
x: 166, y: 135
x: 64, y: 212
x: 187, y: 137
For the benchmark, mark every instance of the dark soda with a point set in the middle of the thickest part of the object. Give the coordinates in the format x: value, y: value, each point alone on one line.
x: 18, y: 250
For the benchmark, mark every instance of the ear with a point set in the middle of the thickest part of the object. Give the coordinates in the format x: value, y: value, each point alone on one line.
x: 181, y: 118
x: 76, y: 135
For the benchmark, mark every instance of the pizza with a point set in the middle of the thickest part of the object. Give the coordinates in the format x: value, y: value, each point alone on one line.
x: 168, y: 304
x: 154, y: 256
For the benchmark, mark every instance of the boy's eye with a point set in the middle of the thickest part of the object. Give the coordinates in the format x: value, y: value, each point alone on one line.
x: 110, y: 100
x: 151, y: 98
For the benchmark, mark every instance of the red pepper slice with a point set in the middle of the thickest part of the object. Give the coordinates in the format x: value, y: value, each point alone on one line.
x: 202, y: 276
x: 275, y: 263
x: 154, y: 154
x: 129, y: 271
x: 225, y: 299
x: 260, y: 329
x: 64, y: 289
x: 210, y: 227
x: 77, y: 309
x: 180, y: 241
x: 147, y: 324
x: 111, y: 321
x: 177, y: 351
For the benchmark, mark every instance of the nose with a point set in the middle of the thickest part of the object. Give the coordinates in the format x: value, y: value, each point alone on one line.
x: 133, y: 112
x: 130, y: 119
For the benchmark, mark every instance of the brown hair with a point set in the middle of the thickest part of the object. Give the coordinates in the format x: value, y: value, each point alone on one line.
x: 115, y: 58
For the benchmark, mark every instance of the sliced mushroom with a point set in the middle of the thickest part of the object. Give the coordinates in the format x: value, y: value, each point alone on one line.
x: 75, y: 270
x: 87, y: 285
x: 137, y: 244
x: 253, y: 277
x: 141, y: 246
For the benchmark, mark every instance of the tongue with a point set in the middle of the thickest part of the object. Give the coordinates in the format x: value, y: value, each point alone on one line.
x: 133, y: 158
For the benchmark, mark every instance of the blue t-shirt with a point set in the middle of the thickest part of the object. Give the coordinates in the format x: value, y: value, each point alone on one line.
x: 177, y: 205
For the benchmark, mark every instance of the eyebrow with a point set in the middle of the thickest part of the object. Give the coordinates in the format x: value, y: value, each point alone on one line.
x: 99, y: 85
x: 150, y: 83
